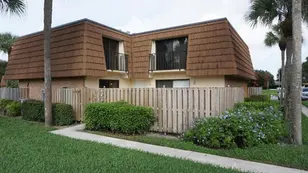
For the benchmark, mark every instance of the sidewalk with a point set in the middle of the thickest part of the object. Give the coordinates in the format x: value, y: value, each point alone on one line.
x: 74, y: 132
x: 305, y: 110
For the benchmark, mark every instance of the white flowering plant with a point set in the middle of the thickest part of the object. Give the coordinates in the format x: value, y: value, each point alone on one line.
x: 248, y: 124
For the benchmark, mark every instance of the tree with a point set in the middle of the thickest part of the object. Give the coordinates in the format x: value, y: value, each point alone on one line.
x: 296, y: 75
x: 264, y: 79
x: 266, y: 12
x: 6, y: 42
x: 276, y: 37
x: 47, y: 62
x: 12, y: 6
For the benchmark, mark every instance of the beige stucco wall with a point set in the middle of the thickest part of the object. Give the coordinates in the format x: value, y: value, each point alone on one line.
x: 36, y: 85
x: 206, y: 81
x: 93, y: 82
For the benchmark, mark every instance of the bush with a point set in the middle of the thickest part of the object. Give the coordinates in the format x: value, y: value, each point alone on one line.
x: 13, y: 109
x: 247, y: 125
x: 3, y: 105
x: 258, y: 98
x: 62, y: 114
x: 118, y: 117
x: 33, y: 110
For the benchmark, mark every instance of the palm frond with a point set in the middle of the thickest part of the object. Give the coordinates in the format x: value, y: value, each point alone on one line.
x: 6, y: 42
x: 271, y: 39
x: 12, y: 6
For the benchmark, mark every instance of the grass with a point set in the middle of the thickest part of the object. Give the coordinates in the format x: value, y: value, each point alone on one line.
x: 270, y: 92
x: 283, y: 155
x: 305, y: 103
x: 28, y: 147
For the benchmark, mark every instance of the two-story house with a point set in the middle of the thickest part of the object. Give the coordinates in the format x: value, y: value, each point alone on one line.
x: 88, y: 54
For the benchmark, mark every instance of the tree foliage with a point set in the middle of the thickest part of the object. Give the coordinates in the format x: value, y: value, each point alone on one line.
x: 12, y: 6
x: 264, y: 79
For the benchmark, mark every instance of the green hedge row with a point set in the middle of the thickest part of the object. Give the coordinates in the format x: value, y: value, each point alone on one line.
x: 118, y: 117
x: 248, y: 124
x: 258, y: 98
x: 10, y: 107
x: 33, y: 110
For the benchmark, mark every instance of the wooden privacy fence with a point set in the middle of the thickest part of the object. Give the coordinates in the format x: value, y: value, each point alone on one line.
x: 14, y: 93
x: 175, y: 109
x: 254, y: 91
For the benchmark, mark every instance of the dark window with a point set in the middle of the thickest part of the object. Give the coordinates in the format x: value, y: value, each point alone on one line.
x: 171, y: 54
x: 111, y: 49
x: 108, y: 83
x: 305, y: 89
x: 164, y: 84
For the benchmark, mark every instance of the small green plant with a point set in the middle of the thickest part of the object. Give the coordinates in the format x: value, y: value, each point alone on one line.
x: 3, y: 105
x: 118, y: 117
x: 247, y: 125
x: 62, y: 114
x: 258, y: 98
x: 13, y: 109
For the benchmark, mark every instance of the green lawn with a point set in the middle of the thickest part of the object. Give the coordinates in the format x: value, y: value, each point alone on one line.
x: 28, y: 147
x: 270, y: 92
x: 284, y: 155
x: 305, y: 103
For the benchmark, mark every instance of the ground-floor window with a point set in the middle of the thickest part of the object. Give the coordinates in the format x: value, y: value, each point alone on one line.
x: 108, y: 83
x: 172, y: 83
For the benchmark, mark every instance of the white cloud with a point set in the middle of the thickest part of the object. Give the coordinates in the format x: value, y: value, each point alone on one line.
x: 141, y: 15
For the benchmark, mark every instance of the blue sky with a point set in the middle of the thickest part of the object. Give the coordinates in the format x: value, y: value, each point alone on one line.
x: 143, y: 15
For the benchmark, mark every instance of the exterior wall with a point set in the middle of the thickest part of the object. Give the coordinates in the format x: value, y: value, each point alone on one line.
x: 214, y: 49
x: 210, y: 49
x: 205, y: 81
x: 94, y: 51
x: 26, y: 60
x: 93, y: 82
x: 236, y: 82
x: 36, y: 85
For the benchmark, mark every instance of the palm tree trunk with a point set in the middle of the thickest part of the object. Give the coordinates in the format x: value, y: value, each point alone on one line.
x: 289, y: 52
x: 296, y: 75
x: 282, y: 81
x: 47, y: 62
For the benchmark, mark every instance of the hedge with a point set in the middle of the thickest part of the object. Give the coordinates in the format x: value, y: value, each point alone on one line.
x: 10, y: 107
x: 118, y: 117
x: 258, y: 98
x: 33, y: 110
x: 247, y: 125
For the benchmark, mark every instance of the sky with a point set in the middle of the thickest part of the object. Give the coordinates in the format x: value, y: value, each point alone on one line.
x: 144, y: 15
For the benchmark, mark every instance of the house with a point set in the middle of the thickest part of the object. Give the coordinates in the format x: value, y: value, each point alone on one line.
x: 88, y: 54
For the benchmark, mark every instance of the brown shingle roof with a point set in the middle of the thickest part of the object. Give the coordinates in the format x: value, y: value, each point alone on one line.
x: 214, y: 48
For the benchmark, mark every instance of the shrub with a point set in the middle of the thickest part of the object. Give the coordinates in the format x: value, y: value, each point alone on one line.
x: 62, y: 114
x: 248, y: 124
x: 33, y: 110
x: 118, y: 117
x: 13, y: 109
x: 258, y: 98
x: 3, y: 105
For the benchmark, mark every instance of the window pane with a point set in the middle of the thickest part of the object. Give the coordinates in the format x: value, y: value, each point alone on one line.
x: 181, y: 84
x: 164, y: 83
x: 108, y: 83
x: 111, y: 50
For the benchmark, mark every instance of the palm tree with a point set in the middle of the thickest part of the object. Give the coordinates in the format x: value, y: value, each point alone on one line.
x: 266, y: 12
x: 296, y: 76
x: 47, y: 62
x: 6, y: 42
x: 276, y: 37
x: 12, y: 6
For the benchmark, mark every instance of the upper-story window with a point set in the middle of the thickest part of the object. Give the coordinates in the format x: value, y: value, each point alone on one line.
x: 169, y: 54
x: 115, y: 57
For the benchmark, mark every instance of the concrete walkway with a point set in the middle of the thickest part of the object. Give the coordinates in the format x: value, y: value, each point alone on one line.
x: 74, y: 132
x: 305, y: 110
